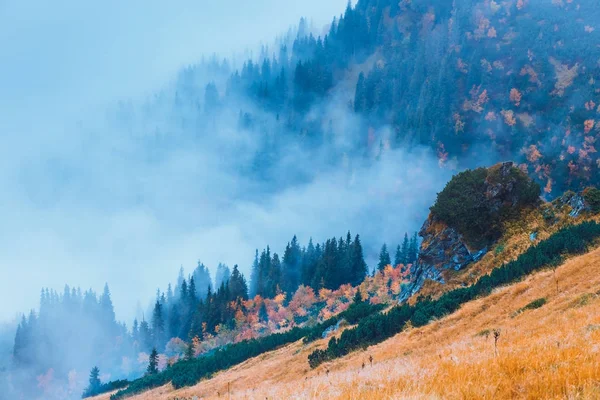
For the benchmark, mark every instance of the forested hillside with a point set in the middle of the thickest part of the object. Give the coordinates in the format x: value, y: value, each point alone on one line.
x: 475, y: 81
x: 471, y: 81
x: 309, y: 285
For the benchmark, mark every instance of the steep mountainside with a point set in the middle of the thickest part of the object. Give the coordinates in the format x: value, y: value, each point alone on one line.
x: 476, y: 81
x: 545, y: 349
x: 527, y: 235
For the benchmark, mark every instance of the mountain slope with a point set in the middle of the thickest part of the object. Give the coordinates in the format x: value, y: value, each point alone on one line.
x: 549, y: 352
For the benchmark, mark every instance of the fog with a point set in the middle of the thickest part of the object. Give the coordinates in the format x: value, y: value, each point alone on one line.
x: 84, y: 203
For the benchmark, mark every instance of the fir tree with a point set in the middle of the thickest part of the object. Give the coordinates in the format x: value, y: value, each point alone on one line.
x: 145, y: 335
x: 291, y: 266
x: 384, y: 258
x: 413, y: 250
x: 190, y: 351
x: 398, y: 256
x: 222, y: 275
x: 254, y: 276
x: 94, y: 383
x: 158, y: 325
x: 106, y: 306
x: 153, y: 363
x: 237, y: 285
x: 357, y: 297
x: 358, y: 267
x: 404, y: 251
x: 135, y: 331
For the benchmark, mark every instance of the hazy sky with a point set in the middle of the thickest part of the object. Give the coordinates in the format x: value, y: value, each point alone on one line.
x: 85, y: 209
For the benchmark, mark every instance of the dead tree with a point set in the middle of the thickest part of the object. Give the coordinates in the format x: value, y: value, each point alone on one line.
x: 496, y: 337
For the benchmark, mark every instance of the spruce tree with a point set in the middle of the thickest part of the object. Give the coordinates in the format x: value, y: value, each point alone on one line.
x: 202, y: 280
x: 190, y: 351
x: 413, y: 250
x: 222, y: 275
x: 358, y: 267
x: 291, y: 267
x: 308, y: 264
x: 384, y: 258
x: 107, y: 308
x: 153, y: 363
x: 238, y: 287
x: 158, y: 325
x: 145, y: 336
x: 404, y: 251
x: 94, y: 383
x: 192, y: 293
x: 135, y: 331
x: 274, y: 278
x: 357, y: 297
x: 175, y: 322
x: 398, y: 257
x: 254, y: 276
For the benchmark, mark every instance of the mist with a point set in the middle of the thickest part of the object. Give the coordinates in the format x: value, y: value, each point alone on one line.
x: 86, y: 203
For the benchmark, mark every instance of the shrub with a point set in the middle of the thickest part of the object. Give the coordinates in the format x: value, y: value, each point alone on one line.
x: 378, y: 327
x: 531, y: 306
x: 190, y: 372
x: 592, y: 198
x: 463, y: 204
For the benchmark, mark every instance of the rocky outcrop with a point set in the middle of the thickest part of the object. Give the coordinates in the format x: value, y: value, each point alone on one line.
x: 574, y: 200
x: 444, y: 248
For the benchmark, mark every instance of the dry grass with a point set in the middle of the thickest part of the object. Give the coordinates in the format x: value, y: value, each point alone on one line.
x: 552, y: 352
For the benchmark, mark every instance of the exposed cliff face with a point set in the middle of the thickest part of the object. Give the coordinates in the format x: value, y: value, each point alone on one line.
x: 443, y: 249
x: 501, y: 190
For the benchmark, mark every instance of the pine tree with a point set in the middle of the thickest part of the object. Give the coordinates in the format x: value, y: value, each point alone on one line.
x: 202, y: 280
x: 175, y: 322
x: 309, y: 261
x: 358, y: 267
x: 237, y: 285
x: 291, y: 266
x: 158, y: 325
x: 274, y: 278
x: 183, y: 290
x: 222, y: 275
x: 180, y: 279
x: 135, y: 331
x: 413, y: 250
x: 169, y: 295
x: 192, y: 293
x: 357, y: 297
x: 190, y: 351
x: 360, y: 94
x: 398, y: 256
x: 254, y: 276
x: 404, y: 251
x: 94, y: 383
x: 107, y: 308
x: 384, y: 258
x: 145, y: 335
x: 153, y: 363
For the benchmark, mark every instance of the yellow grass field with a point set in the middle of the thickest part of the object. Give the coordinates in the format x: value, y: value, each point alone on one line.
x: 552, y: 352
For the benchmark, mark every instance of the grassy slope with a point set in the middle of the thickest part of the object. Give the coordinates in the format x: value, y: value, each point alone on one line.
x: 515, y: 241
x: 550, y: 352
